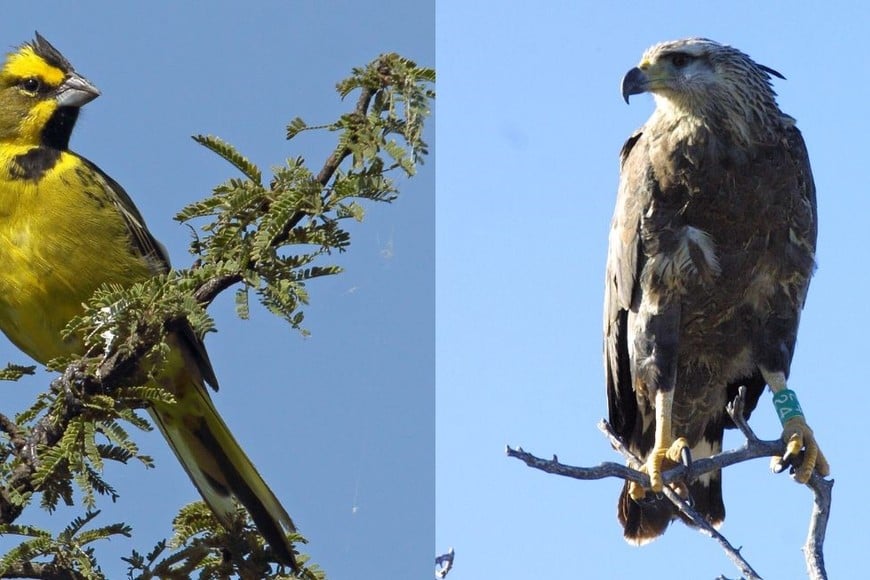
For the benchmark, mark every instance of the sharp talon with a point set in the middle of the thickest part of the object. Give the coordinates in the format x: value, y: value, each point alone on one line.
x: 777, y: 465
x: 688, y: 499
x: 686, y: 457
x: 802, y: 452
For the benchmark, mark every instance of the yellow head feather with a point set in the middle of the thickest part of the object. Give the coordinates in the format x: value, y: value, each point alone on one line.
x: 26, y: 63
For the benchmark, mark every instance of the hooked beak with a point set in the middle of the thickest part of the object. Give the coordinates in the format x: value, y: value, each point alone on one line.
x: 634, y: 82
x: 76, y: 91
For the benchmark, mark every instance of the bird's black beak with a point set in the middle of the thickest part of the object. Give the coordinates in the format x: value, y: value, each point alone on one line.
x: 634, y: 82
x: 76, y: 91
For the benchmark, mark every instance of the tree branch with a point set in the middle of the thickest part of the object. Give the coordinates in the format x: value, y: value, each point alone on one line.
x: 822, y: 494
x: 339, y: 155
x: 42, y: 572
x: 814, y: 548
x: 210, y: 289
x: 444, y: 563
x: 752, y: 449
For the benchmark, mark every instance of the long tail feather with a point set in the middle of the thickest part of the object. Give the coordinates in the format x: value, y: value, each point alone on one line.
x: 218, y: 466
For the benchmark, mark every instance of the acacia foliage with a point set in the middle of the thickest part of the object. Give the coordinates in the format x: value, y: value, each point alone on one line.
x: 262, y: 239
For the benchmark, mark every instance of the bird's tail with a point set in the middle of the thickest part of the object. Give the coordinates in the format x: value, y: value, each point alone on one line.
x: 218, y: 466
x: 645, y: 520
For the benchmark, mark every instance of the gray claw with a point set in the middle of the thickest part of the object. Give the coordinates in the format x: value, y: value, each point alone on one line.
x: 686, y: 456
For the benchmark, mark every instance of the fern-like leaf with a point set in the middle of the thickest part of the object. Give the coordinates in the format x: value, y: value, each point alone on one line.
x: 232, y: 155
x: 13, y: 372
x: 296, y: 126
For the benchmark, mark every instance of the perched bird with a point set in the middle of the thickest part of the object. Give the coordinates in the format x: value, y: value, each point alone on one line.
x: 67, y: 228
x: 711, y: 251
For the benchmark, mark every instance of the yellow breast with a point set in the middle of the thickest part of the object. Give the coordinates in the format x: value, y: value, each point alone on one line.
x: 61, y: 237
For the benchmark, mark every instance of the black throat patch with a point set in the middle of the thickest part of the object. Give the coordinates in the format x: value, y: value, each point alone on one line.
x: 55, y: 138
x: 34, y: 164
x: 58, y: 130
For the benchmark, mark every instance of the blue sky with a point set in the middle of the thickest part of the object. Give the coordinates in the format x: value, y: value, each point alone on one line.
x: 530, y: 125
x: 340, y: 424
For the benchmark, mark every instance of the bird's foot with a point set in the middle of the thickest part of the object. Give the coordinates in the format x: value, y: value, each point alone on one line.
x: 659, y: 460
x: 802, y: 451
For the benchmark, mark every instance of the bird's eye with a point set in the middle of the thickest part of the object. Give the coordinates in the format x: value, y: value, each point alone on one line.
x: 31, y: 85
x: 679, y: 60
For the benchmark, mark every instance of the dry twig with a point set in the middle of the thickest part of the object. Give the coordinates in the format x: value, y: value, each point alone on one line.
x: 445, y: 563
x: 752, y: 449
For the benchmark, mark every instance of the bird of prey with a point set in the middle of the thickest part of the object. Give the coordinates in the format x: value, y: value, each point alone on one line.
x: 711, y: 251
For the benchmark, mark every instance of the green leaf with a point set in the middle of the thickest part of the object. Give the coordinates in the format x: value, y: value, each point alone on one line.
x: 232, y: 155
x: 13, y: 372
x: 296, y: 126
x: 242, y: 304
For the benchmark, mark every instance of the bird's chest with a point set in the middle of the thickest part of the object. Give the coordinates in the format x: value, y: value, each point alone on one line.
x: 38, y: 283
x: 719, y: 231
x: 57, y: 246
x: 736, y: 199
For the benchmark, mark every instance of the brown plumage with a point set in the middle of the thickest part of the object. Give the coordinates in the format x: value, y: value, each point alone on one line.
x: 711, y: 251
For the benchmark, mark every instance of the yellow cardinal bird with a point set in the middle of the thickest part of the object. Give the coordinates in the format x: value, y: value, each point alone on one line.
x: 66, y: 228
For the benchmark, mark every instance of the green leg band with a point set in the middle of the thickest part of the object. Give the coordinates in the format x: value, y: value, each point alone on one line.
x: 787, y: 406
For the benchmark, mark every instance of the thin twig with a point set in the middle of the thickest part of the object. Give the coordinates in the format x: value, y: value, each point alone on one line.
x: 704, y: 527
x: 814, y: 548
x: 445, y: 563
x: 600, y: 471
x: 735, y: 410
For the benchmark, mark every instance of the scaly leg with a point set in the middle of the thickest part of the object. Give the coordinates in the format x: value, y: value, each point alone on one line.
x: 666, y: 450
x: 798, y: 437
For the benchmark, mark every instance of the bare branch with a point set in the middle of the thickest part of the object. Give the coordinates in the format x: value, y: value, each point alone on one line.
x: 445, y: 561
x: 822, y: 492
x: 752, y: 449
x: 814, y: 548
x: 606, y: 469
x: 735, y: 410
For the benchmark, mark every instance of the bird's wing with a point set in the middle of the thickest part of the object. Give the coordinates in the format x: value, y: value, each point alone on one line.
x: 621, y: 279
x: 155, y: 254
x: 805, y: 221
x: 143, y: 242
